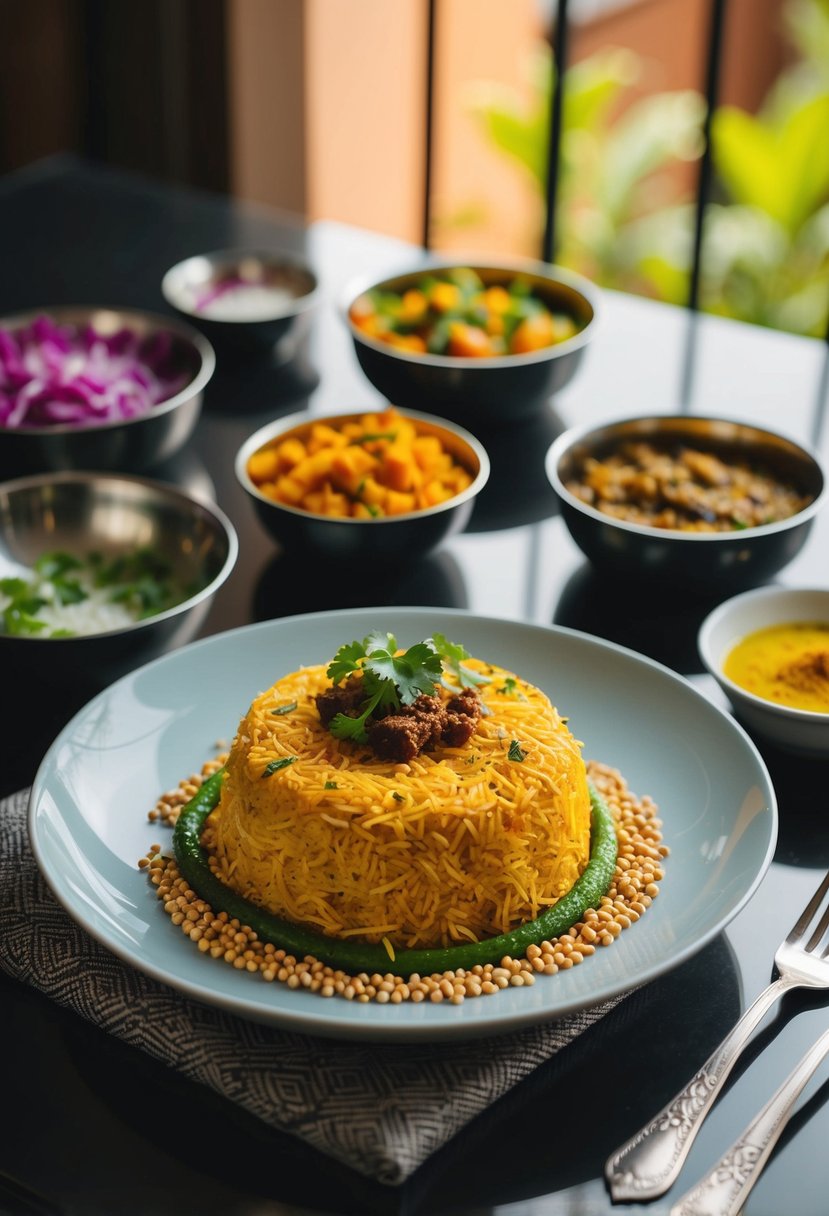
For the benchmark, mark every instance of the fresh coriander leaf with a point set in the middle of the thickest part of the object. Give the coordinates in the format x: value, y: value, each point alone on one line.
x: 21, y: 624
x: 285, y: 709
x: 516, y: 752
x: 453, y: 654
x: 412, y: 673
x: 29, y: 604
x: 508, y: 687
x: 54, y: 565
x: 69, y: 591
x: 345, y: 661
x: 381, y: 691
x: 344, y: 727
x: 386, y: 642
x: 330, y: 785
x: 276, y: 765
x: 14, y: 587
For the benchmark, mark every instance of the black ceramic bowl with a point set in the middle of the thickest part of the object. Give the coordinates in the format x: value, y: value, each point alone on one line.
x: 708, y: 563
x: 130, y: 445
x: 480, y: 392
x: 393, y: 540
x: 114, y: 516
x: 244, y: 300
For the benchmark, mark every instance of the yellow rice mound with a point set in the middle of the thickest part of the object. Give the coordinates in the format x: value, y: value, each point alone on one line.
x: 458, y: 844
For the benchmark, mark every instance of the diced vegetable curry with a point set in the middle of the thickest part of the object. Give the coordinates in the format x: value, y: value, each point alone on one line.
x: 379, y: 464
x: 453, y: 312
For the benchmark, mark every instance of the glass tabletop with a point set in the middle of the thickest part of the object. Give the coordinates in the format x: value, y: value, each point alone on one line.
x: 87, y: 1132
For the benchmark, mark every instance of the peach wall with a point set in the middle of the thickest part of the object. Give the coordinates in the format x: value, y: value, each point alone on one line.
x: 480, y: 201
x: 366, y: 72
x: 266, y: 59
x: 328, y: 99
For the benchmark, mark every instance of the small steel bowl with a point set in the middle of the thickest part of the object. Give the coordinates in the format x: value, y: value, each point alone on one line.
x: 392, y: 540
x: 125, y: 445
x: 486, y: 392
x: 796, y: 730
x: 199, y: 282
x: 703, y: 562
x: 84, y: 513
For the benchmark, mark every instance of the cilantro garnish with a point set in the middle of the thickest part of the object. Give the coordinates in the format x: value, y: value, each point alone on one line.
x: 516, y: 752
x: 389, y: 679
x: 285, y: 709
x: 330, y: 785
x: 374, y: 436
x: 510, y: 689
x: 452, y: 655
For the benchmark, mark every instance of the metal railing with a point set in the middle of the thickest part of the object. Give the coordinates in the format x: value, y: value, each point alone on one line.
x: 712, y: 67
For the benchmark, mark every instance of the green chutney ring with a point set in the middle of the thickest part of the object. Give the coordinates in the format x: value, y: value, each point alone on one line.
x: 355, y: 957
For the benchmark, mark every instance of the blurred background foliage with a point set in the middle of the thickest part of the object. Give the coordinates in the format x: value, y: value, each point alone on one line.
x: 626, y: 196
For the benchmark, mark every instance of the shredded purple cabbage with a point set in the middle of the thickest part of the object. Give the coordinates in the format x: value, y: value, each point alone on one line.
x: 54, y: 374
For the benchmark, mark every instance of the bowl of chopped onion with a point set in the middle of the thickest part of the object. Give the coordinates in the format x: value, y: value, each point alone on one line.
x: 97, y: 388
x: 102, y: 572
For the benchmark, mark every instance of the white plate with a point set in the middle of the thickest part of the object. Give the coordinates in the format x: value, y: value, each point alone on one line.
x: 89, y: 803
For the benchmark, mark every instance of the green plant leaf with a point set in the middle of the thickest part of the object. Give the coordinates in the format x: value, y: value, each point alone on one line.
x: 651, y: 133
x: 780, y: 169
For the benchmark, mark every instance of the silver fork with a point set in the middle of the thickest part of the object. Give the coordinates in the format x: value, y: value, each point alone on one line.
x: 726, y: 1187
x: 649, y: 1163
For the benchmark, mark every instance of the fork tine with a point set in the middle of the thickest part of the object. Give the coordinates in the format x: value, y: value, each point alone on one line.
x: 806, y: 917
x: 821, y: 926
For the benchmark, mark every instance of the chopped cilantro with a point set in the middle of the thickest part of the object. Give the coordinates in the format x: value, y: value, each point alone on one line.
x: 452, y: 655
x: 276, y: 765
x: 69, y: 591
x: 397, y: 797
x: 285, y: 709
x: 391, y: 679
x: 330, y: 785
x: 55, y: 564
x: 516, y: 752
x: 372, y: 437
x: 21, y: 624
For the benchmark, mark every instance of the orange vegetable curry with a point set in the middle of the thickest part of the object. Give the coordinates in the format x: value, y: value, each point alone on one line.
x: 453, y: 312
x: 365, y: 468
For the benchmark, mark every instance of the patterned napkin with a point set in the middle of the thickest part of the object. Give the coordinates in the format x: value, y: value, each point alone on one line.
x: 378, y: 1108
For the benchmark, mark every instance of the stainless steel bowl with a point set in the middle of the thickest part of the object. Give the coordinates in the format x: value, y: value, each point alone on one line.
x: 487, y: 392
x: 83, y: 513
x: 703, y: 562
x: 133, y: 445
x: 280, y: 325
x: 393, y: 540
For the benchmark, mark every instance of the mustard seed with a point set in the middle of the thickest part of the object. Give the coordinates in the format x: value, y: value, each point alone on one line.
x: 639, y: 870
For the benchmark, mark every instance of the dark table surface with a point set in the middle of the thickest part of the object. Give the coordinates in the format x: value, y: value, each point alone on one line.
x: 81, y: 1122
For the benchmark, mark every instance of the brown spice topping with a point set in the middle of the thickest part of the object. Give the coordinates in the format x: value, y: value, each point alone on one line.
x: 809, y: 672
x: 400, y: 735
